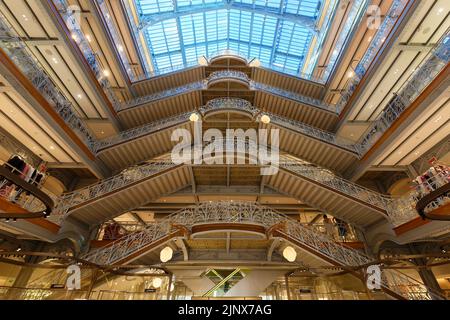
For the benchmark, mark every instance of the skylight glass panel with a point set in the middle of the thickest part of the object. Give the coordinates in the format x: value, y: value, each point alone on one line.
x: 253, y: 28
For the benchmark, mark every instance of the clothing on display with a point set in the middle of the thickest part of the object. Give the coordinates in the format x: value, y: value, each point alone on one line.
x: 17, y: 165
x: 435, y: 177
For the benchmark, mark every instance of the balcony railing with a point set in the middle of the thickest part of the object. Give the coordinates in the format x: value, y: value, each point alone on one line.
x: 224, y: 104
x: 375, y: 45
x: 142, y: 131
x: 437, y: 59
x: 117, y: 41
x: 358, y: 7
x: 294, y: 96
x: 313, y: 132
x: 326, y: 177
x: 229, y: 103
x: 202, y: 85
x: 18, y: 52
x: 227, y: 75
x: 251, y: 213
x: 83, y: 43
x: 124, y: 179
x: 403, y: 209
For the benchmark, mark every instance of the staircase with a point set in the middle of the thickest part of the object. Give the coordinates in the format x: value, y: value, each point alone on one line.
x: 129, y: 248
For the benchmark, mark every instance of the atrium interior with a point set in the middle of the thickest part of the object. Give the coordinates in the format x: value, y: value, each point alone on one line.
x: 224, y: 149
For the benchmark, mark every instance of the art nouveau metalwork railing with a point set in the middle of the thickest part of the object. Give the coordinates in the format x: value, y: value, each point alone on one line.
x: 124, y: 179
x: 224, y: 104
x: 438, y: 58
x: 27, y: 202
x: 251, y: 213
x: 226, y: 75
x: 326, y: 177
x: 14, y: 147
x: 138, y: 132
x: 293, y: 96
x: 80, y: 39
x: 229, y: 103
x: 312, y: 132
x: 115, y: 35
x: 399, y: 210
x: 17, y: 50
x: 202, y: 85
x: 358, y: 7
x: 375, y: 45
x: 403, y: 209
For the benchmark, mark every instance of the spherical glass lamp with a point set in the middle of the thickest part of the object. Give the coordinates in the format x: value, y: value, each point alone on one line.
x: 166, y: 254
x: 290, y: 254
x: 265, y: 119
x: 157, y: 282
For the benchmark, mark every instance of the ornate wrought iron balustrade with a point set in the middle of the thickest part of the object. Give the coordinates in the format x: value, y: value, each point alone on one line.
x: 251, y: 213
x: 438, y: 58
x: 124, y: 179
x: 83, y: 43
x: 375, y: 45
x: 142, y: 131
x: 18, y: 52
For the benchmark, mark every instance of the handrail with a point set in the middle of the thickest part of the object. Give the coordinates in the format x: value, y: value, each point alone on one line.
x: 228, y: 74
x: 38, y: 203
x: 83, y: 43
x: 223, y: 104
x: 251, y: 213
x: 123, y: 179
x: 396, y: 208
x: 423, y: 75
x: 118, y: 43
x: 142, y: 130
x: 202, y: 85
x: 375, y: 45
x: 18, y: 52
x: 428, y: 199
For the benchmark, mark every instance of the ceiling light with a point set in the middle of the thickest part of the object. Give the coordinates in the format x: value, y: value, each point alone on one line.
x: 265, y: 119
x: 88, y: 37
x: 166, y: 254
x: 79, y: 96
x: 120, y: 48
x: 157, y: 282
x: 369, y: 39
x: 74, y: 37
x: 55, y: 60
x: 440, y: 10
x: 350, y: 74
x: 438, y: 119
x: 290, y: 254
x: 194, y: 117
x: 106, y: 73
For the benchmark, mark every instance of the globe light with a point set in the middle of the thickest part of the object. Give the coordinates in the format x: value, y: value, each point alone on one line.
x: 194, y: 117
x: 265, y: 119
x: 203, y: 61
x: 166, y: 254
x: 290, y: 254
x: 255, y: 63
x: 157, y: 282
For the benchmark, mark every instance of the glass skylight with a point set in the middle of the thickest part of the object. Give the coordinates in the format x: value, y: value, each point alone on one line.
x: 277, y: 32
